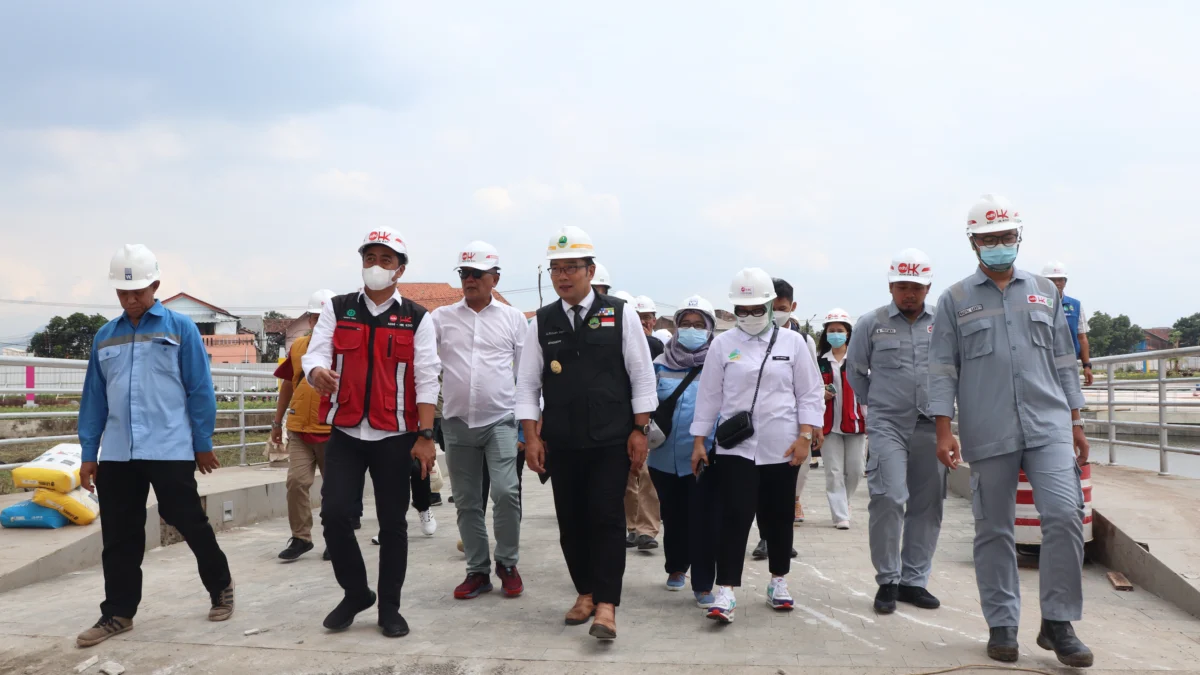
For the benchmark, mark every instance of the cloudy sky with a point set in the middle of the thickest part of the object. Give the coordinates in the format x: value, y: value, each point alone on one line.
x: 252, y: 144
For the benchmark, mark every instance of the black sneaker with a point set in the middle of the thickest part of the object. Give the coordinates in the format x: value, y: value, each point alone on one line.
x: 760, y: 551
x: 885, y: 599
x: 630, y: 540
x: 1059, y: 637
x: 1002, y: 644
x: 393, y: 625
x: 296, y: 547
x: 794, y: 553
x: 343, y: 615
x: 325, y: 555
x: 915, y: 595
x: 435, y: 499
x: 646, y: 543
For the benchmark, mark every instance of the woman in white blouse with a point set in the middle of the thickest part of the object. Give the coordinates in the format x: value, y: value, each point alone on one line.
x: 845, y: 428
x: 761, y: 385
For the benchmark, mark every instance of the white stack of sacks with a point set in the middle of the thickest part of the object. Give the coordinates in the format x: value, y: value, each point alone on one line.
x: 57, y: 497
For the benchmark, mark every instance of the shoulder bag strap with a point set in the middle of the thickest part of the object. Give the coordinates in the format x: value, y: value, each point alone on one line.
x: 766, y: 357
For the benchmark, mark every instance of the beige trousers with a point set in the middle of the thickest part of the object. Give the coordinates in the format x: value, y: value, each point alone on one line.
x: 304, y: 459
x: 641, y: 504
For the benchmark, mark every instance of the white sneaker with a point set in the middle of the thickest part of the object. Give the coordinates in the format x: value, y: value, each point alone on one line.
x: 778, y: 596
x: 722, y: 609
x: 843, y: 525
x: 428, y: 523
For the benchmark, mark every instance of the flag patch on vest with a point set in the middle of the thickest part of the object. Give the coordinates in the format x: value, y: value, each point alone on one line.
x: 970, y: 310
x: 606, y: 311
x: 608, y: 322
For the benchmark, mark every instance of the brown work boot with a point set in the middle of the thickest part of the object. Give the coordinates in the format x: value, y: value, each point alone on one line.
x: 105, y: 628
x: 582, y: 611
x: 604, y: 626
x: 222, y: 604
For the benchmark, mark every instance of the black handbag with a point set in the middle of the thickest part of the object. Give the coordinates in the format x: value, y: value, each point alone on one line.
x: 735, y: 430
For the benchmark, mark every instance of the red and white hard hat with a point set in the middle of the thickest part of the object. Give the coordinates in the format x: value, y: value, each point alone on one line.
x: 1055, y: 269
x: 992, y: 213
x: 752, y: 286
x: 913, y: 265
x: 570, y: 242
x: 837, y: 315
x: 317, y: 300
x: 388, y: 237
x: 479, y: 255
x: 644, y: 305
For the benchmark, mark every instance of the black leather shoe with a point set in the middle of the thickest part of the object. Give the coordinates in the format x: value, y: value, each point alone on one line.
x: 393, y: 626
x: 325, y: 556
x: 1002, y: 644
x: 915, y: 595
x: 760, y: 551
x: 646, y: 543
x: 794, y: 553
x: 296, y: 547
x: 630, y: 540
x: 1059, y: 637
x: 343, y: 615
x: 885, y: 599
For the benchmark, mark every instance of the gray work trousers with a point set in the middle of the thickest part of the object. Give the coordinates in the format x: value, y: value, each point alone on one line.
x: 1054, y: 477
x: 470, y: 452
x: 907, y: 487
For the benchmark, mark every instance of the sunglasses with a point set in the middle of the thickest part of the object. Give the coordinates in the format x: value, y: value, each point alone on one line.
x: 749, y: 311
x: 471, y: 273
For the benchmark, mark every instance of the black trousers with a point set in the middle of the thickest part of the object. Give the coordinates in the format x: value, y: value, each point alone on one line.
x: 689, y: 509
x: 422, y: 494
x: 589, y: 500
x: 347, y: 460
x: 122, y: 488
x: 745, y: 488
x: 487, y: 481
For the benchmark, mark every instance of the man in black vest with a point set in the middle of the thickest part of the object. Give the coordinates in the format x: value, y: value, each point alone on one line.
x: 373, y: 357
x: 587, y: 357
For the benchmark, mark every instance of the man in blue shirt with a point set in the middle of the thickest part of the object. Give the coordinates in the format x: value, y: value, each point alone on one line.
x: 149, y: 394
x: 1077, y: 320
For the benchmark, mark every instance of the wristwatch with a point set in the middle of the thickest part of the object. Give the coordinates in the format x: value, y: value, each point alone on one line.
x: 427, y: 434
x: 1088, y: 366
x: 1077, y: 423
x: 276, y: 425
x: 644, y: 428
x: 806, y: 435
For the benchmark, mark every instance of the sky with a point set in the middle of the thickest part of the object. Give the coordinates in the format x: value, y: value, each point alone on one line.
x: 252, y: 145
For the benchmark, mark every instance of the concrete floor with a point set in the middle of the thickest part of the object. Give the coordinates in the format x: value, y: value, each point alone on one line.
x: 831, y: 630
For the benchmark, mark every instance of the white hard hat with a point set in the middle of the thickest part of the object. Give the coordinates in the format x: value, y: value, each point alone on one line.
x: 992, y: 213
x: 317, y: 300
x: 479, y: 255
x: 696, y: 303
x: 601, y: 277
x: 1055, y: 269
x: 570, y: 242
x: 752, y: 286
x: 837, y: 315
x: 387, y: 237
x: 628, y: 298
x: 132, y: 268
x: 645, y: 305
x: 663, y: 335
x: 913, y: 265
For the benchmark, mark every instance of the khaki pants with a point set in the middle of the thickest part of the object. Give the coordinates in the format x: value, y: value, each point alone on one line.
x: 304, y: 459
x: 641, y: 504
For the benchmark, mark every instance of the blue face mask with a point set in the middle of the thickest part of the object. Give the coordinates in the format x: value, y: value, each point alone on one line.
x: 836, y: 339
x: 692, y: 339
x: 1000, y: 258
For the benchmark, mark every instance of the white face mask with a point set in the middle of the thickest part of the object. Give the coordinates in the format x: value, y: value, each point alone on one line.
x: 376, y: 278
x: 754, y: 325
x: 781, y: 318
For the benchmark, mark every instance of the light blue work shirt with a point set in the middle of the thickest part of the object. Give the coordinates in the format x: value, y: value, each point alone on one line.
x: 1007, y: 357
x: 674, y: 456
x: 148, y: 392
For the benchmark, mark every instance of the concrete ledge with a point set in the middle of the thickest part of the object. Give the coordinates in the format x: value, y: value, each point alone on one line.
x: 1116, y: 550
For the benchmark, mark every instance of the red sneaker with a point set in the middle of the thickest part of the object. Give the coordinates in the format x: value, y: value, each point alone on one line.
x: 474, y: 584
x: 510, y: 580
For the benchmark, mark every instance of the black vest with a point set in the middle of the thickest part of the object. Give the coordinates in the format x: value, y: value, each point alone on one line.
x: 589, y: 400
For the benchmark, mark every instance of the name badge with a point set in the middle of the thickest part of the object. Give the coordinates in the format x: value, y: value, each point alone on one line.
x: 781, y: 358
x: 885, y: 330
x: 970, y: 310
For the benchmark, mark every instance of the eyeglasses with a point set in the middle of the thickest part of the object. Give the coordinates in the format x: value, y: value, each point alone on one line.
x: 566, y: 270
x: 993, y: 241
x: 465, y: 273
x: 699, y: 324
x: 749, y: 311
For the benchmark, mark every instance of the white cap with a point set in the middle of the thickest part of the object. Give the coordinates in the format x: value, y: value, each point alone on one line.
x: 837, y: 315
x: 132, y: 268
x: 913, y: 265
x: 570, y: 242
x: 601, y: 277
x: 387, y: 237
x: 479, y: 255
x: 317, y: 300
x: 696, y: 303
x: 1055, y: 269
x: 752, y: 286
x: 629, y: 299
x: 992, y: 213
x: 663, y: 335
x: 644, y: 305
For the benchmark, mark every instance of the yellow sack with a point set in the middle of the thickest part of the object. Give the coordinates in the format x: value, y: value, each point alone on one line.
x: 56, y: 469
x: 79, y: 506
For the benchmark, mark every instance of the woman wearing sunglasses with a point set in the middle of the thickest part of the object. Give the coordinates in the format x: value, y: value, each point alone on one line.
x: 762, y: 389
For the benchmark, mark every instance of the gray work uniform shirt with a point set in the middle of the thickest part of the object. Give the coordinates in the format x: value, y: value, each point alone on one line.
x: 888, y: 368
x: 1008, y: 358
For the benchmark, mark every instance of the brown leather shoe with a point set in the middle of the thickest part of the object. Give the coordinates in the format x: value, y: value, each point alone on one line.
x: 604, y: 626
x: 105, y: 628
x: 582, y: 611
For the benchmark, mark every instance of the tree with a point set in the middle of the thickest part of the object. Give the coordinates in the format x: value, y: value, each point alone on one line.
x: 1188, y: 328
x: 1112, y: 335
x: 69, y: 338
x: 272, y: 314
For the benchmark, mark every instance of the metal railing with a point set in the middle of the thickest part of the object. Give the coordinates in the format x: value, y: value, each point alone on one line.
x: 1162, y: 403
x: 240, y: 392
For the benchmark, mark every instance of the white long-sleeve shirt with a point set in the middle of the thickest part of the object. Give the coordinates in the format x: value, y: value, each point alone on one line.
x: 634, y: 348
x: 790, y: 394
x: 426, y: 364
x: 480, y: 352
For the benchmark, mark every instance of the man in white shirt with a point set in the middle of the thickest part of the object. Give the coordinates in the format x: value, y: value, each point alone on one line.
x: 586, y: 354
x: 479, y: 341
x: 373, y: 357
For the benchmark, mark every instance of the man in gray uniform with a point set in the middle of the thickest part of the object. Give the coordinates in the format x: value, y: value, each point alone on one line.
x: 888, y: 369
x: 1001, y: 346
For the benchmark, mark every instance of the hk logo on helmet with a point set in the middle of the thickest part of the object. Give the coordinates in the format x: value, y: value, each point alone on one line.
x: 910, y: 269
x: 746, y: 290
x: 999, y: 214
x: 468, y: 257
x: 379, y: 236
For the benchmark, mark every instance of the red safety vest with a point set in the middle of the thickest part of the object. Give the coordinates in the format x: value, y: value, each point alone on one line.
x: 373, y: 357
x: 852, y: 417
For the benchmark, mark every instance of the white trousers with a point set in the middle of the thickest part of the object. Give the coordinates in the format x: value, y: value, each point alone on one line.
x: 845, y: 456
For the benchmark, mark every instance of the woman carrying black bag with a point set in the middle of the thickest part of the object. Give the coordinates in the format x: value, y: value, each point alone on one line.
x: 762, y: 386
x: 687, y: 502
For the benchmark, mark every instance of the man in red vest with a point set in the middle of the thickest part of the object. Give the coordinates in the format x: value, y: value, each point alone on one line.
x: 373, y: 357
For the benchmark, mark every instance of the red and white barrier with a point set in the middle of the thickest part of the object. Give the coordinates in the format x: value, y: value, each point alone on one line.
x: 1029, y: 526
